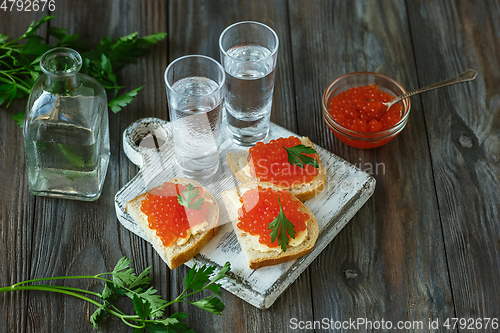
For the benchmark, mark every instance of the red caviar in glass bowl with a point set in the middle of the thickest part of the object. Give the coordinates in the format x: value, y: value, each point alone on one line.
x: 352, y: 109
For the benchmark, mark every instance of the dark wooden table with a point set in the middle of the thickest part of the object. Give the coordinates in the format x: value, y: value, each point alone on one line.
x: 424, y: 247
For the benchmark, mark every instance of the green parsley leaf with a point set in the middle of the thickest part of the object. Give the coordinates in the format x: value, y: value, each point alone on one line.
x: 222, y: 272
x: 176, y: 317
x: 197, y: 278
x: 215, y: 288
x: 211, y: 304
x: 34, y: 26
x: 141, y: 279
x: 160, y: 327
x: 125, y: 39
x: 58, y: 33
x: 121, y: 101
x: 118, y: 291
x: 98, y: 316
x: 281, y: 228
x: 34, y: 46
x: 8, y: 92
x: 19, y: 118
x: 189, y: 198
x: 154, y: 300
x: 142, y: 307
x: 67, y: 40
x: 296, y: 155
x: 107, y: 70
x: 174, y: 323
x: 3, y: 38
x: 107, y: 292
x: 151, y: 39
x: 122, y: 274
x: 156, y: 328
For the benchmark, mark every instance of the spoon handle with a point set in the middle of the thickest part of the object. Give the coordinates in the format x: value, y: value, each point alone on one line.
x: 468, y: 75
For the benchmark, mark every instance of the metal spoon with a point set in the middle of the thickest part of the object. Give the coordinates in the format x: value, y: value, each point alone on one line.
x: 468, y: 75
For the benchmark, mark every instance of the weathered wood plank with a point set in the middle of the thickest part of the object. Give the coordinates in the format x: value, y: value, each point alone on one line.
x: 464, y: 136
x: 145, y: 17
x: 16, y: 203
x: 194, y: 28
x: 389, y: 261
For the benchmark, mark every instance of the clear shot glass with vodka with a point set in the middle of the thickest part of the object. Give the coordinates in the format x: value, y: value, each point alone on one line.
x: 248, y: 52
x: 194, y: 86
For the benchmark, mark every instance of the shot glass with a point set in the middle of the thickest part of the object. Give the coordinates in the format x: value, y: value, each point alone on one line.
x: 195, y: 98
x: 248, y: 52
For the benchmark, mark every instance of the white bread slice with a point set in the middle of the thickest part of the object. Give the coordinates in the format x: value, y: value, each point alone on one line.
x: 255, y: 257
x: 303, y: 191
x: 175, y: 255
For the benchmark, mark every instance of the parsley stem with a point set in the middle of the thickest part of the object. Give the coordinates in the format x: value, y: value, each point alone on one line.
x: 15, y: 70
x: 12, y: 46
x: 192, y: 293
x: 17, y: 286
x: 52, y: 289
x: 4, y: 63
x: 180, y: 297
x: 63, y: 278
x: 129, y: 324
x: 116, y: 309
x: 78, y: 290
x: 71, y: 292
x: 7, y: 81
x: 26, y: 88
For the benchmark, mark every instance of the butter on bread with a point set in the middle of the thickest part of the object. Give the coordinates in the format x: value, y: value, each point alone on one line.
x: 303, y: 191
x: 177, y: 254
x: 256, y: 257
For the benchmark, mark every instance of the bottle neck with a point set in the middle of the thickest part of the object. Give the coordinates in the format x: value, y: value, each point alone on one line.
x: 62, y: 84
x: 61, y: 66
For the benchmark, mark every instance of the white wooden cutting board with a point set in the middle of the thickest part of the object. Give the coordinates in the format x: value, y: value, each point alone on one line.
x: 347, y: 189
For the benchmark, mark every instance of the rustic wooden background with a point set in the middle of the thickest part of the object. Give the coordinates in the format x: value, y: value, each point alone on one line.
x: 426, y: 245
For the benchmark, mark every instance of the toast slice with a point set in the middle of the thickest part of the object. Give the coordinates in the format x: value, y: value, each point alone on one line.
x: 274, y: 256
x: 238, y: 164
x: 175, y: 255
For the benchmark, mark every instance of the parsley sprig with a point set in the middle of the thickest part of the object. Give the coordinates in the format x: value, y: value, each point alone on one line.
x: 296, y: 155
x: 20, y: 62
x: 189, y: 198
x: 282, y: 228
x: 148, y: 305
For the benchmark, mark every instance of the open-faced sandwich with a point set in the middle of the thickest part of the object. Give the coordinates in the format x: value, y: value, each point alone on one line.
x: 178, y: 219
x: 288, y: 163
x: 271, y: 224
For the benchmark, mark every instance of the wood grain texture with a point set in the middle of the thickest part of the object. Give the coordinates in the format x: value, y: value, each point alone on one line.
x: 16, y: 203
x: 464, y: 136
x: 145, y: 17
x: 389, y: 261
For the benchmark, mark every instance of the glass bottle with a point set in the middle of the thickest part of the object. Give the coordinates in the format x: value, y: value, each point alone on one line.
x: 66, y: 131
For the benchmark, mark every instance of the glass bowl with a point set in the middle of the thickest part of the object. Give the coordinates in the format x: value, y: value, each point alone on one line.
x: 359, y: 139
